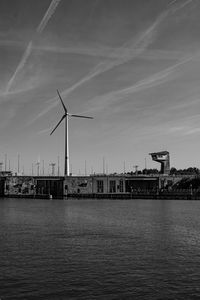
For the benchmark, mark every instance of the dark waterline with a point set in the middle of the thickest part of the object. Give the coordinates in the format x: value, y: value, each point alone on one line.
x: 99, y: 249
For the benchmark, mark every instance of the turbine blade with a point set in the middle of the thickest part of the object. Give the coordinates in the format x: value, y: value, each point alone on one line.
x: 65, y: 109
x: 78, y: 116
x: 64, y: 116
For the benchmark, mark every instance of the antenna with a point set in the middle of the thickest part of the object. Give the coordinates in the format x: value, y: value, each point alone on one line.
x: 136, y: 169
x: 52, y: 165
x: 106, y: 169
x: 5, y: 162
x: 58, y: 166
x: 43, y: 167
x: 66, y: 117
x: 92, y: 171
x: 85, y: 168
x: 145, y: 165
x: 103, y: 165
x: 18, y: 163
x: 124, y: 167
x: 38, y: 168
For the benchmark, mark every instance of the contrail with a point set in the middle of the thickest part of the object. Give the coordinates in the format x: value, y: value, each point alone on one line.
x: 182, y: 5
x: 171, y: 3
x: 127, y: 54
x: 106, y: 66
x: 20, y: 66
x: 50, y: 11
x: 153, y: 80
x: 136, y: 49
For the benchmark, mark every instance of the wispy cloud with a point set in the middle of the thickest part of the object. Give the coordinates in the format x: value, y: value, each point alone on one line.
x: 44, y: 131
x: 43, y: 112
x: 187, y: 129
x: 20, y: 66
x: 11, y: 43
x: 127, y: 52
x: 123, y: 53
x: 101, y: 102
x: 180, y: 5
x: 50, y: 11
x: 192, y: 131
x: 7, y: 115
x: 130, y: 50
x: 96, y: 50
x: 176, y: 129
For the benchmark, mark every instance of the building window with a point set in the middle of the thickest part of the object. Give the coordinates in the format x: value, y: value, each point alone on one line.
x: 112, y: 186
x: 121, y: 186
x: 99, y: 186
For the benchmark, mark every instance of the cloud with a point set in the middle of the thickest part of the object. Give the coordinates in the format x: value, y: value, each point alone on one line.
x: 128, y: 51
x: 176, y: 129
x: 158, y: 78
x: 180, y: 6
x: 50, y: 11
x: 6, y: 115
x: 183, y: 130
x: 123, y: 53
x: 46, y: 130
x: 96, y: 50
x: 46, y: 110
x: 20, y: 66
x: 100, y: 102
x: 11, y: 43
x: 193, y: 131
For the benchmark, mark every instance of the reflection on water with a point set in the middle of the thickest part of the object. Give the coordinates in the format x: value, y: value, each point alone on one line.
x: 99, y: 249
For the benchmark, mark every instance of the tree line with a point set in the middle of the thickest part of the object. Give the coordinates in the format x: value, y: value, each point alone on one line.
x: 173, y: 171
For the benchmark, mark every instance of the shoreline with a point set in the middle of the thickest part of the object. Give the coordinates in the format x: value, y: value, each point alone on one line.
x: 114, y: 196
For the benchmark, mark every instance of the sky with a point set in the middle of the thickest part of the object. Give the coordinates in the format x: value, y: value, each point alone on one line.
x: 132, y: 65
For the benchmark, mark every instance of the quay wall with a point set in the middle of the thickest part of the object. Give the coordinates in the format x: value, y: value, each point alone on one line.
x: 126, y: 196
x: 102, y: 186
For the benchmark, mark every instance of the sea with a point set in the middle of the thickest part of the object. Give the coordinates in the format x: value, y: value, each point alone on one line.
x: 99, y: 249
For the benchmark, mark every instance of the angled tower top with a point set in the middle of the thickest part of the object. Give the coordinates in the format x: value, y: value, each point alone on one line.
x: 163, y: 158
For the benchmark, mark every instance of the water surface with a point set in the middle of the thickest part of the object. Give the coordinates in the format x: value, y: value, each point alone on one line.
x: 99, y: 249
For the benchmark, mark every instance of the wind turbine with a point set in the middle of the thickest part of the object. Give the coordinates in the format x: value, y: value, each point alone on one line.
x: 66, y: 117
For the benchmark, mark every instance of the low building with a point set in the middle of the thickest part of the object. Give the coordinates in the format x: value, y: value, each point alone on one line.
x: 32, y: 186
x: 110, y: 184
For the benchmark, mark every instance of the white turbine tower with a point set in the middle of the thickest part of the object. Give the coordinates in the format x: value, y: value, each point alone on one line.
x: 66, y: 117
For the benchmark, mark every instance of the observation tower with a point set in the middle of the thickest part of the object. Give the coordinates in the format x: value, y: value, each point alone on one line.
x: 163, y: 158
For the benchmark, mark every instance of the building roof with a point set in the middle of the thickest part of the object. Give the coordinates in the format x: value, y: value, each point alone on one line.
x: 159, y: 153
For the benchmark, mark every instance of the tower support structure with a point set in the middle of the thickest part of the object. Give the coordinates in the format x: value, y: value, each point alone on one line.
x: 164, y: 159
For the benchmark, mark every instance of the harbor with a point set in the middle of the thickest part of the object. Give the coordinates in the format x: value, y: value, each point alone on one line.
x: 162, y: 185
x: 97, y: 187
x: 99, y: 149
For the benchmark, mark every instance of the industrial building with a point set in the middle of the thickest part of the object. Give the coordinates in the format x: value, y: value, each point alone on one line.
x: 110, y: 184
x: 58, y: 187
x: 32, y: 186
x: 96, y: 185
